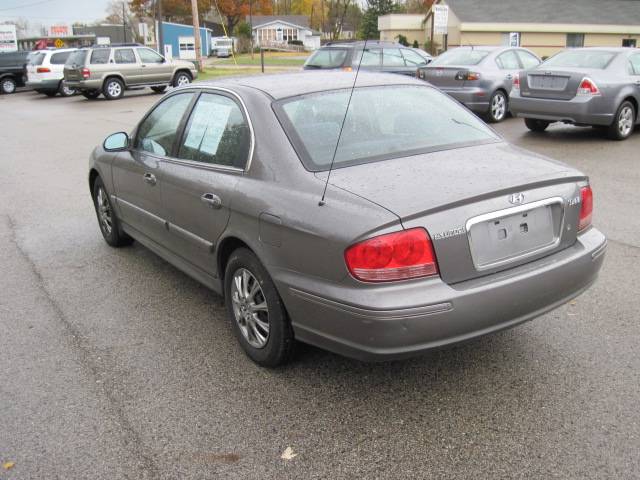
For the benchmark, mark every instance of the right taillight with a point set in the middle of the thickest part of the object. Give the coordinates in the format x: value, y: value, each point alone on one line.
x: 586, y: 207
x: 393, y: 256
x: 516, y: 82
x: 86, y: 73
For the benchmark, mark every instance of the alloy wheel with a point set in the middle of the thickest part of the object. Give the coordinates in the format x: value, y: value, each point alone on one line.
x: 114, y: 89
x: 183, y: 80
x: 66, y: 91
x: 250, y: 308
x: 104, y: 211
x: 625, y: 121
x: 498, y: 106
x: 8, y: 86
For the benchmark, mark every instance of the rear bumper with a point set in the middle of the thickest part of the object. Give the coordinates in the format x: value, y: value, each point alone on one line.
x: 385, y: 322
x: 49, y: 84
x: 475, y: 99
x: 579, y: 110
x: 84, y: 84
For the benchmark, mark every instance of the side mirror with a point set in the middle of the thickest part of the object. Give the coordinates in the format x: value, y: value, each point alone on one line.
x: 116, y: 142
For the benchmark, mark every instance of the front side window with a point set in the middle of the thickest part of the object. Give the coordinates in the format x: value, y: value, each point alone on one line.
x: 124, y: 55
x: 60, y: 58
x: 508, y: 61
x: 581, y: 59
x: 157, y: 133
x: 575, y: 40
x: 391, y: 57
x: 149, y: 56
x: 370, y: 58
x: 461, y: 56
x: 528, y: 60
x: 217, y: 133
x: 382, y: 123
x: 101, y: 56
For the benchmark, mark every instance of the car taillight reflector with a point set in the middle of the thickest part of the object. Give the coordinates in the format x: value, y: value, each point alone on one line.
x: 393, y: 256
x: 86, y: 73
x: 586, y: 208
x: 516, y: 82
x: 43, y: 70
x: 465, y: 75
x: 588, y: 87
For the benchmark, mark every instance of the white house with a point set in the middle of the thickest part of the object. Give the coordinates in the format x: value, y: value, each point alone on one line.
x: 280, y: 30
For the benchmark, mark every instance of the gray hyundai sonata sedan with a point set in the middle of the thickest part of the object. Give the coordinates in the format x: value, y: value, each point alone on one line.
x: 432, y: 229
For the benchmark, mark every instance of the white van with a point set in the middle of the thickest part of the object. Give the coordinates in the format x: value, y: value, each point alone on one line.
x: 45, y: 72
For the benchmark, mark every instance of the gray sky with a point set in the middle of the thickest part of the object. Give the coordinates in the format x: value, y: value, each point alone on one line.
x: 48, y: 12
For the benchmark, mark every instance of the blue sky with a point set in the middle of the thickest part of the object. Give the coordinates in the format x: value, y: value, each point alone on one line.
x: 53, y: 11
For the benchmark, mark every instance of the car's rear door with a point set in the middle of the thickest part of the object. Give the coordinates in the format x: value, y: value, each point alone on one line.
x: 634, y: 71
x: 509, y: 66
x: 137, y: 174
x: 199, y: 182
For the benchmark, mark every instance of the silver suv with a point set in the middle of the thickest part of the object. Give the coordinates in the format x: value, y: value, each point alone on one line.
x: 111, y: 69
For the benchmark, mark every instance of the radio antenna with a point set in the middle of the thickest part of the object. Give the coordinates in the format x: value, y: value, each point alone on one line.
x: 344, y: 118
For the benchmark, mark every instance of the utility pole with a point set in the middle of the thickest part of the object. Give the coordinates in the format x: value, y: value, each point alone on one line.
x: 124, y: 24
x: 196, y: 33
x: 251, y: 25
x: 159, y: 22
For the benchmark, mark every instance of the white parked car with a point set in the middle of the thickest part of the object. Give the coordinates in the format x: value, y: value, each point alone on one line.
x: 45, y: 72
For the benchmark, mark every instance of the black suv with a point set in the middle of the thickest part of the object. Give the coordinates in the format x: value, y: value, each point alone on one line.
x: 382, y: 56
x: 12, y: 70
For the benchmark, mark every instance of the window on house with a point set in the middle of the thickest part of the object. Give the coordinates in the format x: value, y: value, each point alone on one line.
x: 575, y: 40
x: 629, y: 42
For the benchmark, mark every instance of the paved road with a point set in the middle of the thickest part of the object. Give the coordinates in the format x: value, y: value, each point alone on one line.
x: 115, y: 365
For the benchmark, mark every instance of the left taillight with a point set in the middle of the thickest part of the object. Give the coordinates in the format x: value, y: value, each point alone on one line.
x: 588, y: 87
x: 43, y: 70
x: 586, y: 207
x: 393, y: 256
x: 516, y: 82
x: 85, y: 73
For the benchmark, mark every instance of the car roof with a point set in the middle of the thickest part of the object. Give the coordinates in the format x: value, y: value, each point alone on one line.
x: 284, y: 85
x: 360, y: 44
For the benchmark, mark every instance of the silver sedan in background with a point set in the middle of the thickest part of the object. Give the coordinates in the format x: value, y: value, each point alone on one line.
x: 479, y: 77
x: 583, y: 86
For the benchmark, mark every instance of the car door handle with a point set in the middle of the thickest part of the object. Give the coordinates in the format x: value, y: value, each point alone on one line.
x: 212, y: 200
x: 150, y: 178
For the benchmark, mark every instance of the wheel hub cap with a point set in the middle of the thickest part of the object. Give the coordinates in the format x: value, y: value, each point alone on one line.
x: 625, y: 121
x: 498, y: 107
x: 250, y: 308
x: 104, y: 211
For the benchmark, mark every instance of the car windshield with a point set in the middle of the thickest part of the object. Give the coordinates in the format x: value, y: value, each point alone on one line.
x: 36, y: 58
x: 76, y: 58
x: 327, y: 58
x: 581, y: 59
x: 382, y: 122
x: 461, y: 57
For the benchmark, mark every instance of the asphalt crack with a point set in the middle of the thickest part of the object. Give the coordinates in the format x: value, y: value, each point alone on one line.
x: 131, y: 438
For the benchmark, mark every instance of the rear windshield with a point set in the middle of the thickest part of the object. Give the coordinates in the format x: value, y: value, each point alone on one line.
x: 461, y: 57
x: 36, y: 58
x: 581, y: 59
x: 76, y: 58
x: 327, y: 58
x: 382, y: 122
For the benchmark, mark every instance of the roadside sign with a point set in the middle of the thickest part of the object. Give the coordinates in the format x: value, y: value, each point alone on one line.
x: 8, y: 38
x: 58, y: 43
x: 514, y: 39
x: 103, y: 40
x: 440, y: 19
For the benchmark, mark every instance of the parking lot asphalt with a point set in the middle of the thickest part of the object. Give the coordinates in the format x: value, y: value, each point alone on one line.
x: 115, y: 365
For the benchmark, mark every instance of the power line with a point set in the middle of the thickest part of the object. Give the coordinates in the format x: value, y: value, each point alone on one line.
x: 25, y: 6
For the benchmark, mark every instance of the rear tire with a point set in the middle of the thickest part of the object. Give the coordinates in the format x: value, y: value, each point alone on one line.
x: 624, y: 122
x: 65, y: 91
x: 107, y: 219
x: 264, y: 333
x: 498, y: 107
x: 536, y: 125
x: 113, y: 88
x: 8, y: 85
x: 181, y: 79
x: 50, y: 93
x: 159, y: 89
x: 91, y: 94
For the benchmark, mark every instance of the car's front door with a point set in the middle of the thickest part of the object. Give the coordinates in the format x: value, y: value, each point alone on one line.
x: 155, y: 68
x: 128, y: 65
x: 199, y: 183
x: 137, y: 173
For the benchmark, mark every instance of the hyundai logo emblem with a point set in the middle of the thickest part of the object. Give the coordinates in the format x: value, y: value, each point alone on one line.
x: 516, y: 198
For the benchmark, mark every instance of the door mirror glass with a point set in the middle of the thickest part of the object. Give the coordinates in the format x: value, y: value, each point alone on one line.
x: 116, y: 142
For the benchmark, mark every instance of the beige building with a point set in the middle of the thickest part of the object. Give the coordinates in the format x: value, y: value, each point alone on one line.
x: 544, y: 26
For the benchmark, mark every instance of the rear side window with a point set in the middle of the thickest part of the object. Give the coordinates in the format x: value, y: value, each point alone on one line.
x: 370, y: 58
x: 508, y: 61
x: 391, y: 57
x: 124, y: 55
x: 60, y: 58
x: 217, y: 133
x: 157, y: 133
x: 77, y: 57
x: 528, y: 60
x: 100, y: 56
x: 327, y: 58
x: 634, y: 60
x: 598, y: 59
x: 461, y: 57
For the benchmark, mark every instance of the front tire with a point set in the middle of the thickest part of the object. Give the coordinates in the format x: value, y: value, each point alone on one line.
x: 159, y: 89
x: 181, y: 79
x: 91, y: 94
x: 258, y: 317
x: 8, y: 85
x: 113, y: 88
x: 107, y: 219
x: 624, y: 122
x: 498, y: 107
x: 536, y: 125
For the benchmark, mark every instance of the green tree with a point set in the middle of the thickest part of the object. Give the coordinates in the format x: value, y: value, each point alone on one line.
x: 375, y: 8
x: 402, y: 40
x: 416, y: 44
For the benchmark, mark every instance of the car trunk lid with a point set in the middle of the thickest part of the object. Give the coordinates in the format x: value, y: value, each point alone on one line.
x: 556, y: 84
x: 459, y: 195
x: 445, y: 77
